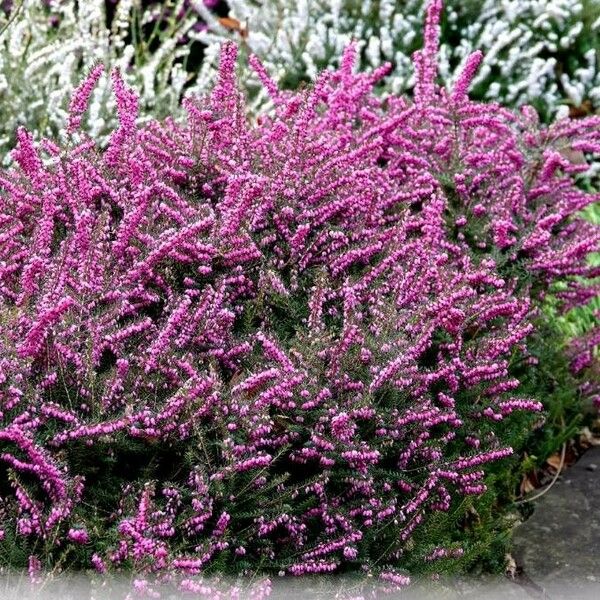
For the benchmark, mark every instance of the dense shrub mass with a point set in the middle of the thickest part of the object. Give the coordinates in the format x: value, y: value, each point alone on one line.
x: 540, y: 52
x: 511, y: 186
x: 280, y: 344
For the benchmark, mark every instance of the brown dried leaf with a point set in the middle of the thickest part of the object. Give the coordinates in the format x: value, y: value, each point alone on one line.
x: 234, y: 25
x: 583, y: 110
x: 556, y: 462
x: 527, y: 485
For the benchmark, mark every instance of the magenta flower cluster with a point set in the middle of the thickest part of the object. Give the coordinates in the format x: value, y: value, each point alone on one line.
x: 317, y: 305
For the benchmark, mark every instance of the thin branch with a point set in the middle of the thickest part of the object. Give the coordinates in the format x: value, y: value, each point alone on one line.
x: 554, y: 480
x: 12, y: 17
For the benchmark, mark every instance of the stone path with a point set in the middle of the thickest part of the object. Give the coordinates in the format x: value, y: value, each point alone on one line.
x: 558, y: 547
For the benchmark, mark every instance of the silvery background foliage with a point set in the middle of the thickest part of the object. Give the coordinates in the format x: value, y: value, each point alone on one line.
x: 46, y: 49
x: 543, y: 52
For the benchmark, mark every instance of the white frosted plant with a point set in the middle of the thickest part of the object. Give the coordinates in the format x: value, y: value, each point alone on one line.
x: 47, y: 48
x: 541, y: 52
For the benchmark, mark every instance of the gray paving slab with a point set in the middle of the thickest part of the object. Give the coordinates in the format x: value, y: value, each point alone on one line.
x: 559, y: 545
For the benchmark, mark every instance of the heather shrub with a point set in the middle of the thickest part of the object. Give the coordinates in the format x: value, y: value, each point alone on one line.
x: 515, y: 195
x: 512, y: 186
x: 238, y: 344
